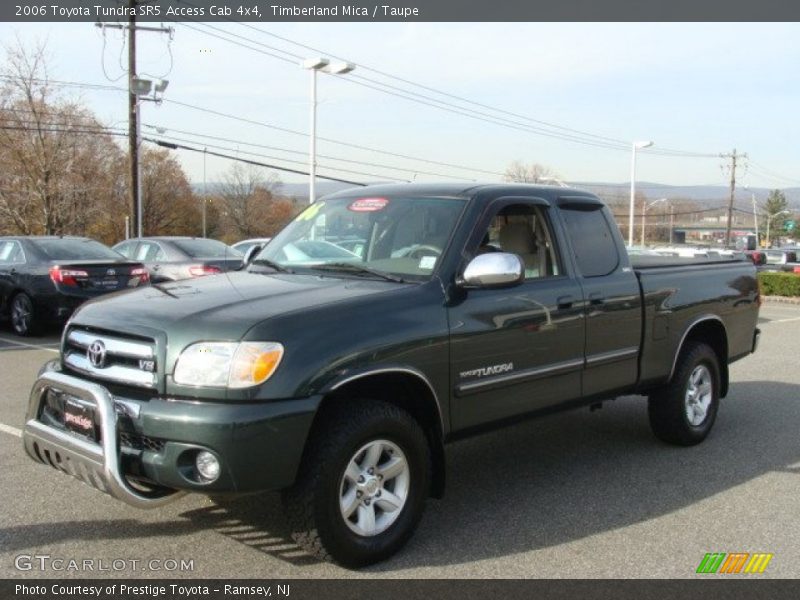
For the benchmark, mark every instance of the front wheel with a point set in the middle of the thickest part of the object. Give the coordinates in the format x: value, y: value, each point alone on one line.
x: 362, y: 484
x: 22, y: 315
x: 684, y: 410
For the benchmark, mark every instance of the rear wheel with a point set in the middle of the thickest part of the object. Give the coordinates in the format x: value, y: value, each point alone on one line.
x: 683, y: 411
x: 22, y: 315
x: 362, y: 484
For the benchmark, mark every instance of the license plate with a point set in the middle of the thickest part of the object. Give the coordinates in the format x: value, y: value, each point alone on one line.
x: 79, y: 418
x: 109, y: 282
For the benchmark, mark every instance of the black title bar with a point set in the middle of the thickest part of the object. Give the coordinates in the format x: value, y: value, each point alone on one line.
x: 713, y: 588
x: 401, y: 10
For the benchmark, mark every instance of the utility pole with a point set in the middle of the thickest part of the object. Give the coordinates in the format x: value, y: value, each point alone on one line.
x: 134, y: 101
x: 755, y: 219
x: 734, y: 157
x: 133, y: 125
x: 671, y: 221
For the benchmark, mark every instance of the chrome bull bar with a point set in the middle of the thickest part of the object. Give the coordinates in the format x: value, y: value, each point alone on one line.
x: 95, y: 464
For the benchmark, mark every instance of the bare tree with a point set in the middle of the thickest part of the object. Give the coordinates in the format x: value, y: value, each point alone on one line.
x: 53, y: 154
x: 169, y: 205
x: 249, y: 204
x: 519, y: 172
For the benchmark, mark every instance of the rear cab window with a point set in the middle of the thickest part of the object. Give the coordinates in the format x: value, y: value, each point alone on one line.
x: 592, y: 239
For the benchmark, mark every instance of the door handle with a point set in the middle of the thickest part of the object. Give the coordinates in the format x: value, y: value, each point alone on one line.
x: 156, y: 267
x: 565, y: 301
x: 596, y: 299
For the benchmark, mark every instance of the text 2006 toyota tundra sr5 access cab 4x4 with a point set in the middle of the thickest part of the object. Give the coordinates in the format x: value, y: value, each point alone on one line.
x: 379, y: 325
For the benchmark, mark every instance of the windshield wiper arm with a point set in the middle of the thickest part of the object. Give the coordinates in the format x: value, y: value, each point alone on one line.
x: 272, y: 265
x: 357, y: 270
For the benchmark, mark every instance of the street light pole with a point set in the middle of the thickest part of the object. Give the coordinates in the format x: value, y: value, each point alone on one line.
x: 645, y: 206
x: 755, y: 219
x: 634, y: 147
x: 205, y: 191
x: 312, y: 149
x: 141, y: 89
x: 769, y: 219
x: 138, y: 187
x: 318, y: 64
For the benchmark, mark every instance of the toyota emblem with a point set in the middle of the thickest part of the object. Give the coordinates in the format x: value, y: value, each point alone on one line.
x: 96, y: 353
x: 111, y: 272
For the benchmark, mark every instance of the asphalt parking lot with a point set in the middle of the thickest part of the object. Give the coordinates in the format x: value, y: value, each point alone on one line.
x: 578, y: 494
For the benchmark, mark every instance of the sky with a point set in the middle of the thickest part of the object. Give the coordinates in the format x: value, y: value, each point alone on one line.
x: 699, y: 87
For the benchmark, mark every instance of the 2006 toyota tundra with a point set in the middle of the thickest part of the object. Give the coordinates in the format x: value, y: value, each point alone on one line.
x: 379, y: 325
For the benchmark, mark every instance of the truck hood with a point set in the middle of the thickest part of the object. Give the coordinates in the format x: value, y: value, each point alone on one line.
x: 222, y: 306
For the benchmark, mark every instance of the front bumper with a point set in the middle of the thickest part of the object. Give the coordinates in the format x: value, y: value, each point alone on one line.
x: 258, y: 445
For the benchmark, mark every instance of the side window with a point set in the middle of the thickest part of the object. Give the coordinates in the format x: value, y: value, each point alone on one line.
x: 155, y: 253
x: 592, y: 240
x: 524, y: 230
x: 126, y: 249
x: 11, y: 252
x: 149, y: 252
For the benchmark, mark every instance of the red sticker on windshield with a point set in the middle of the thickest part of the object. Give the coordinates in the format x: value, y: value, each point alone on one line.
x: 368, y: 204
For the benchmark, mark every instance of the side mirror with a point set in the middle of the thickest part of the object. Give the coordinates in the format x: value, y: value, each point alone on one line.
x: 492, y: 270
x: 251, y: 253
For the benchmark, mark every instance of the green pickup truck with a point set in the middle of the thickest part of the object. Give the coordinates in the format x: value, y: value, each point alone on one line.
x: 379, y: 325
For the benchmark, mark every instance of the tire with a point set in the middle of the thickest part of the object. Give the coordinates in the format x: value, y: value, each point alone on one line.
x: 684, y: 410
x: 23, y: 316
x: 358, y: 434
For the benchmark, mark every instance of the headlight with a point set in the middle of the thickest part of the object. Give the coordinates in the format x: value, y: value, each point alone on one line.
x: 228, y: 364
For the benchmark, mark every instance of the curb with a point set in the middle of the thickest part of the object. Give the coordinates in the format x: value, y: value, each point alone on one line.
x: 781, y: 299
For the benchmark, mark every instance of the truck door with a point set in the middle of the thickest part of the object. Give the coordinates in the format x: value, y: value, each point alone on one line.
x: 613, y: 304
x: 518, y: 349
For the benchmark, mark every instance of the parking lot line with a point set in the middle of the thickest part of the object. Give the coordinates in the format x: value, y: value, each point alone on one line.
x: 782, y: 320
x: 10, y: 430
x: 37, y: 347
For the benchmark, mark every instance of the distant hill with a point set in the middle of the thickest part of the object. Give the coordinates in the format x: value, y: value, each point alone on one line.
x: 703, y: 194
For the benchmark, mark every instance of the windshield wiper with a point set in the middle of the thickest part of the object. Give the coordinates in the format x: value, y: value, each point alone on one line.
x: 272, y: 265
x: 357, y: 270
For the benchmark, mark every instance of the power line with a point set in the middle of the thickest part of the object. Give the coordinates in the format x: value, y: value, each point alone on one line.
x: 302, y: 153
x: 171, y: 137
x: 173, y: 146
x: 599, y: 140
x: 453, y: 108
x: 330, y: 140
x: 84, y: 85
x: 771, y: 174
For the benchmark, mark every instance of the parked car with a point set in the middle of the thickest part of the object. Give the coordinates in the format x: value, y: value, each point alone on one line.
x: 758, y: 257
x: 245, y: 245
x: 781, y: 260
x: 174, y: 258
x: 44, y: 279
x: 339, y: 380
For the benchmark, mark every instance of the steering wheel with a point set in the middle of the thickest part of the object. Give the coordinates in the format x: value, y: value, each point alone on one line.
x: 424, y: 250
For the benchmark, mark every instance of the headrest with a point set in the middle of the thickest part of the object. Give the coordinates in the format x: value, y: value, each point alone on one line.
x: 517, y: 238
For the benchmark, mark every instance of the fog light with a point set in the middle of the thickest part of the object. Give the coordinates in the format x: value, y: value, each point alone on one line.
x: 207, y: 465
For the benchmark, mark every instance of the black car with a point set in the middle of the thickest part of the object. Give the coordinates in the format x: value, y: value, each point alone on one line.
x: 173, y: 258
x: 44, y: 279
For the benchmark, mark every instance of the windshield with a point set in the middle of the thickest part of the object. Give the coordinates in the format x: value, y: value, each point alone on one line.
x: 394, y: 235
x: 202, y: 248
x: 77, y: 249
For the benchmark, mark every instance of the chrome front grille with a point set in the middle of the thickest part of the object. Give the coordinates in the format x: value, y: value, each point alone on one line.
x: 112, y: 358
